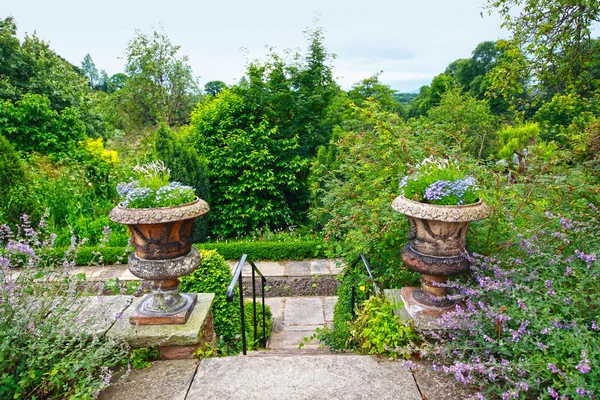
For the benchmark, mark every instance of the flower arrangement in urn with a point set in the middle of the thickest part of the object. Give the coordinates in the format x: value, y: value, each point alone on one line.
x: 152, y: 188
x: 160, y: 216
x: 439, y: 181
x: 440, y: 201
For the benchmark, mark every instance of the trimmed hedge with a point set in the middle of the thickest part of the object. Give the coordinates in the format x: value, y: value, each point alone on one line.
x: 272, y: 251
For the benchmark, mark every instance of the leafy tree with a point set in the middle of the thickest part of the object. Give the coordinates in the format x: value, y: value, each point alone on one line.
x: 32, y: 125
x: 117, y: 81
x: 32, y: 68
x: 467, y: 122
x: 430, y: 96
x: 90, y: 71
x: 160, y: 85
x: 213, y: 88
x: 372, y: 88
x: 251, y: 165
x: 555, y: 37
x: 14, y: 186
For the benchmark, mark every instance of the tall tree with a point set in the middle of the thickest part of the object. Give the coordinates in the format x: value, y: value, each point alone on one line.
x: 160, y: 84
x: 90, y: 71
x: 213, y: 88
x: 554, y: 35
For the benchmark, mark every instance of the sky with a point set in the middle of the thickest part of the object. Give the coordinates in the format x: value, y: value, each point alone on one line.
x: 410, y: 41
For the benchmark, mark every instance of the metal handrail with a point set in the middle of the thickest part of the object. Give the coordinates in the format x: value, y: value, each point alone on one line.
x: 367, y: 265
x: 237, y: 278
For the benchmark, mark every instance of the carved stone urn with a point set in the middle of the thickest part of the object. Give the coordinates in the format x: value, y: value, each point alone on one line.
x: 162, y: 238
x: 436, y: 247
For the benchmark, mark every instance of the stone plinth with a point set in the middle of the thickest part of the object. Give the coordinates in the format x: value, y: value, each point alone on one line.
x: 195, y: 333
x: 406, y: 307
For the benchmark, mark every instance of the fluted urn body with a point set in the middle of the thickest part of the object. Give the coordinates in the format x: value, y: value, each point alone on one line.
x: 436, y: 247
x: 162, y: 238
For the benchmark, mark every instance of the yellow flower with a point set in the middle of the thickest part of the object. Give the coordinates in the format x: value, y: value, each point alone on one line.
x: 362, y: 287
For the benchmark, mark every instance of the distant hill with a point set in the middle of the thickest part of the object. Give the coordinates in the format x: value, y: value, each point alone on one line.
x: 404, y: 98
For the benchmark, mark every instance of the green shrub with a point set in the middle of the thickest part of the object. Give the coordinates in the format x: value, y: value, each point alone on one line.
x: 255, y: 343
x: 274, y: 251
x: 214, y: 276
x: 378, y: 331
x: 187, y: 167
x: 46, y: 348
x: 142, y: 357
x: 15, y: 197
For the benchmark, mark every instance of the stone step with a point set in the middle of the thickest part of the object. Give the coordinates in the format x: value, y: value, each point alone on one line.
x: 302, y: 377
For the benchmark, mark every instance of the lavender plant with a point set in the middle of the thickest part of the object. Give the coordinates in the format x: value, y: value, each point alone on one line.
x: 439, y: 181
x: 152, y: 188
x: 529, y: 325
x: 48, y: 348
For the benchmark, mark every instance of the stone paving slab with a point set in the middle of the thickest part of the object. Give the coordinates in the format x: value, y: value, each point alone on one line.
x: 319, y: 267
x: 328, y: 307
x: 104, y: 311
x: 306, y: 377
x: 166, y: 380
x: 188, y: 334
x: 289, y: 339
x: 303, y: 311
x: 297, y: 268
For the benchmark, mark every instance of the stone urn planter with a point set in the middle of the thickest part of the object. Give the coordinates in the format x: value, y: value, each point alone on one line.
x: 162, y: 238
x: 436, y: 247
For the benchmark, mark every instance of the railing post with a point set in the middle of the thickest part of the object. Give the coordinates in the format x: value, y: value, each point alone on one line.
x: 254, y: 302
x: 244, y: 347
x: 264, y: 281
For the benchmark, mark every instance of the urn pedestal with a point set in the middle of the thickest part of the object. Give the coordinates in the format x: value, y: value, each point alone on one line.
x: 436, y: 249
x: 162, y: 238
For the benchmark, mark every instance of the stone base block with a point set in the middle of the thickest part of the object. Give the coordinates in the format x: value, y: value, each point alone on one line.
x: 139, y: 317
x: 197, y: 331
x: 424, y: 317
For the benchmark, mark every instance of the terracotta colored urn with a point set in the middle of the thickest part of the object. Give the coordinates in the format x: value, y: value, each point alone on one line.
x: 162, y: 238
x: 436, y: 246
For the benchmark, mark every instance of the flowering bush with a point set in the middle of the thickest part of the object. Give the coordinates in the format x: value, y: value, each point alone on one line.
x: 439, y: 181
x: 529, y: 326
x: 152, y: 189
x: 48, y: 347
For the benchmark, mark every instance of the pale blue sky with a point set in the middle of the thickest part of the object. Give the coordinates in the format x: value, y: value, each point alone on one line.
x: 411, y: 41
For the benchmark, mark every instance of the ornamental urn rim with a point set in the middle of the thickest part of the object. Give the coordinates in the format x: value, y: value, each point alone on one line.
x: 157, y: 215
x: 445, y: 213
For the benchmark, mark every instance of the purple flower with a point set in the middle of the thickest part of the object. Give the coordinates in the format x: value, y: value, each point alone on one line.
x: 580, y: 391
x: 553, y: 393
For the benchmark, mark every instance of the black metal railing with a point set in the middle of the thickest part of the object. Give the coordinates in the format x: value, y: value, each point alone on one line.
x: 367, y: 265
x: 237, y: 279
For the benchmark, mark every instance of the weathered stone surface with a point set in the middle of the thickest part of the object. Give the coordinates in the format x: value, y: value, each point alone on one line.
x: 297, y: 268
x: 166, y: 380
x: 303, y: 311
x: 291, y: 340
x: 319, y: 267
x: 405, y: 307
x: 286, y: 286
x: 467, y: 212
x: 305, y: 377
x: 328, y: 306
x: 187, y: 334
x: 132, y: 216
x: 276, y: 305
x: 102, y: 312
x: 336, y: 266
x: 270, y: 268
x: 164, y: 269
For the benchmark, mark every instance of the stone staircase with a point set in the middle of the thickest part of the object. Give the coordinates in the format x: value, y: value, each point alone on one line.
x: 284, y: 371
